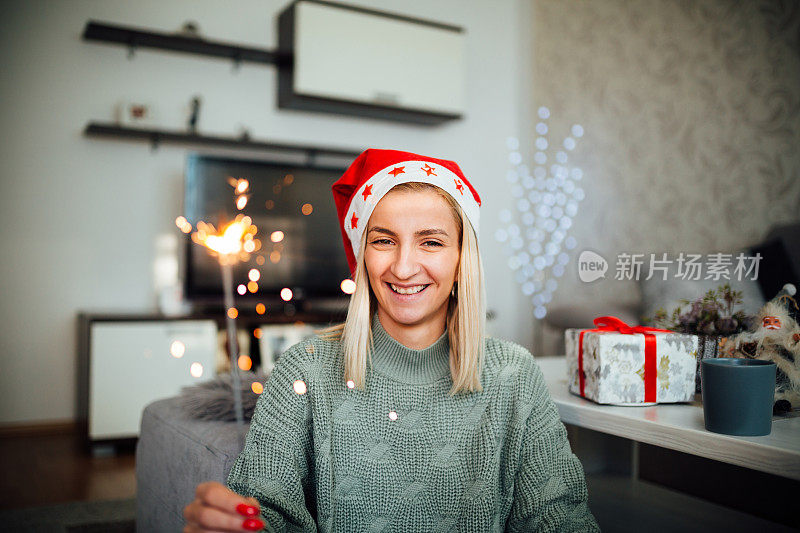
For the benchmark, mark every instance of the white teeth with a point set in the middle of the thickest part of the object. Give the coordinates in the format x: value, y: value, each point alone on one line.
x: 410, y: 290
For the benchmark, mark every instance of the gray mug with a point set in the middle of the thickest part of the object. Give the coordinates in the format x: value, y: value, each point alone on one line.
x: 738, y: 395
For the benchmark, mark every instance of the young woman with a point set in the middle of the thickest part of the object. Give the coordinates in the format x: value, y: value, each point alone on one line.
x: 405, y: 417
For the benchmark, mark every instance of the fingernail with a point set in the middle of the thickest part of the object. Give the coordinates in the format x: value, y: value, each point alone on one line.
x: 246, y: 510
x: 253, y: 524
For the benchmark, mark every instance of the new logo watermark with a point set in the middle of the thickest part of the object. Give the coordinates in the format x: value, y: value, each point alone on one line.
x: 591, y: 266
x: 686, y: 266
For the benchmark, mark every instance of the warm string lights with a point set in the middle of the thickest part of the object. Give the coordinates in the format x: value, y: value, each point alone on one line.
x: 545, y: 205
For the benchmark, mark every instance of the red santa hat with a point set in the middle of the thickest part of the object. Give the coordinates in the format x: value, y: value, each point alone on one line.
x: 375, y: 172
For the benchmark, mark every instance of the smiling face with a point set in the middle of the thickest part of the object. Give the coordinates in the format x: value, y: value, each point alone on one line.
x: 412, y: 254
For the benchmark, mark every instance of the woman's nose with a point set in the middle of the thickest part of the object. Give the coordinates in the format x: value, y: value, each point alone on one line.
x: 405, y: 263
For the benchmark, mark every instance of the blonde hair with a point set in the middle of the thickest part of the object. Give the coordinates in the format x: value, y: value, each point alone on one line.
x: 466, y: 314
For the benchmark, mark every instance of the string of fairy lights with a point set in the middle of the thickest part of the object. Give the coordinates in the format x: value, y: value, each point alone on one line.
x: 535, y: 234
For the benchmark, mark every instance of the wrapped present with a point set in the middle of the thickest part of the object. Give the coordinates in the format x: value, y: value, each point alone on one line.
x: 708, y: 347
x: 618, y: 364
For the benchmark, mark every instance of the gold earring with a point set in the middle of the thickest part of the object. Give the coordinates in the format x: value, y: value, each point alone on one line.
x: 453, y: 291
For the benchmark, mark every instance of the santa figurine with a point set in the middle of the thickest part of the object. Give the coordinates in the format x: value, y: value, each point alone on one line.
x: 776, y: 338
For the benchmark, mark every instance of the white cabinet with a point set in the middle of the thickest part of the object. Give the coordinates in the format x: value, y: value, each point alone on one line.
x: 358, y: 61
x: 132, y: 363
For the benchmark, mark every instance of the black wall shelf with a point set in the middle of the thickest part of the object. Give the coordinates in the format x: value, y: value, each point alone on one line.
x: 282, y: 57
x: 157, y: 137
x: 133, y: 38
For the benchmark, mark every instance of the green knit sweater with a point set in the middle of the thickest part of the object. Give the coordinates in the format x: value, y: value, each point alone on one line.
x: 404, y: 456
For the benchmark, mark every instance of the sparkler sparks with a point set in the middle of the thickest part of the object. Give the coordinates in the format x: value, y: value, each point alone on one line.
x: 245, y: 363
x: 177, y: 349
x: 348, y: 286
x: 241, y: 188
x: 183, y: 224
x: 233, y: 243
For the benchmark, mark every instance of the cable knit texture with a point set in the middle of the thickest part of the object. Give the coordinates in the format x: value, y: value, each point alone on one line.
x: 404, y: 456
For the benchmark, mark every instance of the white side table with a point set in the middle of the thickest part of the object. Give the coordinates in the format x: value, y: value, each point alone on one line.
x: 678, y: 427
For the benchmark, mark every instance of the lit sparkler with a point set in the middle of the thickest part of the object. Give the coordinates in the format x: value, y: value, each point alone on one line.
x: 232, y: 243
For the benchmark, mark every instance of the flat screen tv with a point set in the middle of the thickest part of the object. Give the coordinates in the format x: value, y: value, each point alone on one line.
x: 289, y: 198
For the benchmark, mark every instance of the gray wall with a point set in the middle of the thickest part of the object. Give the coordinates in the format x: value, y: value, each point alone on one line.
x: 692, y: 120
x: 80, y: 217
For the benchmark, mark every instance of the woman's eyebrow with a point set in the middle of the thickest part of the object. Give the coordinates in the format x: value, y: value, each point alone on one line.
x: 420, y: 233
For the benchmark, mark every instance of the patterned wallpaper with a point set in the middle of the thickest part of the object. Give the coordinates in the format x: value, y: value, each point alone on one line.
x: 692, y: 117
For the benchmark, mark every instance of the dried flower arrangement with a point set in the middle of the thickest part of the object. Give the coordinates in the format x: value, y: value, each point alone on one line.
x: 712, y: 314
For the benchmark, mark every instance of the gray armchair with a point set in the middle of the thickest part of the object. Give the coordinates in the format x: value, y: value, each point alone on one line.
x: 174, y: 454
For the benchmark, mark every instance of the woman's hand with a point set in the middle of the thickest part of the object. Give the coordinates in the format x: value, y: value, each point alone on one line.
x: 217, y: 508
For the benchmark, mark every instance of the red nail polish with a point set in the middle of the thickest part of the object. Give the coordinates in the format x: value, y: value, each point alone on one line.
x: 246, y: 510
x: 253, y: 524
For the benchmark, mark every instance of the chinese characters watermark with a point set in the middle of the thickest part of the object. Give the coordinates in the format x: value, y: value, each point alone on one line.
x: 686, y: 266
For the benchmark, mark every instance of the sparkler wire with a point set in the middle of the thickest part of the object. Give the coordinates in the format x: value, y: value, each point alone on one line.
x: 233, y: 347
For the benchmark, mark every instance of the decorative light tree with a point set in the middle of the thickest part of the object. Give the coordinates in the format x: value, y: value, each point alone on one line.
x: 537, y: 236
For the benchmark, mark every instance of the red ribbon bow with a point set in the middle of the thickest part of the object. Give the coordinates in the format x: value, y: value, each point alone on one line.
x: 614, y: 324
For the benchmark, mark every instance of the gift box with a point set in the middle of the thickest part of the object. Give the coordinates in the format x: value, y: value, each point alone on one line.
x: 708, y: 347
x: 618, y: 364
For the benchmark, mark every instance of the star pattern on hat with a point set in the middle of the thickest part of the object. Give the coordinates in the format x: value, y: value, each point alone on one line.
x: 354, y: 222
x: 429, y: 169
x: 459, y: 186
x: 367, y: 191
x: 397, y: 170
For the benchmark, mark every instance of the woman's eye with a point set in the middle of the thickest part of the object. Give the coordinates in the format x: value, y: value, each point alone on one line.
x: 388, y: 241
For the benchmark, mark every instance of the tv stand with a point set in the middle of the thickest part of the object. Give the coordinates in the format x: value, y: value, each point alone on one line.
x: 126, y: 360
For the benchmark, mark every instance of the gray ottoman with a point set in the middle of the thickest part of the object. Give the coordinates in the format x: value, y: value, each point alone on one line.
x: 174, y: 454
